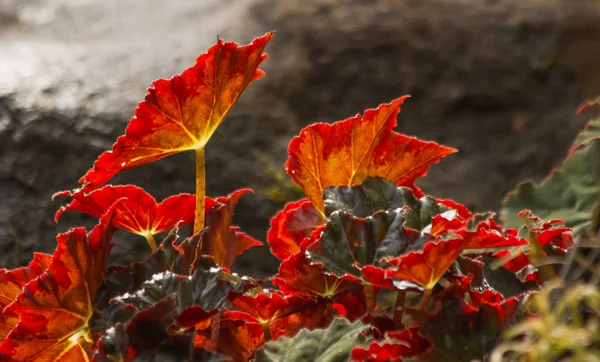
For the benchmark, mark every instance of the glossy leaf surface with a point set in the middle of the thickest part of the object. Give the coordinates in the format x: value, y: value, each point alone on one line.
x: 346, y: 152
x: 146, y: 338
x: 183, y: 112
x: 377, y: 194
x: 348, y: 242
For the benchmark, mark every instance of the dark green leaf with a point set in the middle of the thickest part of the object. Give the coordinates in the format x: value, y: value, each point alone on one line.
x: 348, y: 239
x: 146, y: 338
x: 377, y: 194
x: 320, y: 345
x: 569, y: 193
x: 208, y: 288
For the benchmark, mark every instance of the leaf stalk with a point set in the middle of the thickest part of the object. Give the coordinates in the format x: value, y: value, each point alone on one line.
x: 200, y: 190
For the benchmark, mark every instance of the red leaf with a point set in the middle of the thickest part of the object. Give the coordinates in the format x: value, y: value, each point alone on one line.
x: 406, y: 343
x: 298, y: 276
x: 221, y: 240
x: 239, y: 336
x: 138, y: 213
x: 426, y: 267
x: 489, y: 235
x: 461, y: 209
x: 441, y: 225
x: 291, y: 226
x: 182, y: 113
x: 281, y: 315
x: 376, y: 276
x: 55, y: 308
x: 346, y: 152
x: 11, y: 285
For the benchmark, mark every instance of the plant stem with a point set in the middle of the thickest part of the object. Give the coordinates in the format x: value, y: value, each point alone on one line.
x: 151, y: 242
x: 215, y: 331
x: 200, y: 190
x: 370, y: 295
x: 399, y: 308
x: 425, y: 299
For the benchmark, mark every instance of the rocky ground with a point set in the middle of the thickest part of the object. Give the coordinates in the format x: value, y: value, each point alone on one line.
x: 497, y: 79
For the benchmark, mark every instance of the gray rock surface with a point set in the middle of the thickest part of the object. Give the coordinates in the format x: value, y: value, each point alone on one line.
x: 499, y: 80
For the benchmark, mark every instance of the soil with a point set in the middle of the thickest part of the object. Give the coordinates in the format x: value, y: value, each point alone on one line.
x: 498, y: 79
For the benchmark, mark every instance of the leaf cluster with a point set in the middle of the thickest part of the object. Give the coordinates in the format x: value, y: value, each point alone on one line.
x: 372, y: 268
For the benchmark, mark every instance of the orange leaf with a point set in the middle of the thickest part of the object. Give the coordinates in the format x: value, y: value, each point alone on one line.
x: 11, y: 285
x: 426, y: 267
x: 138, y: 213
x: 55, y: 308
x: 183, y: 112
x: 221, y: 240
x: 346, y: 152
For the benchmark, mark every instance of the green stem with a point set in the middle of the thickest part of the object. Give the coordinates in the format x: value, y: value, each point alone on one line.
x: 200, y: 190
x: 267, y: 332
x: 399, y: 308
x: 151, y: 242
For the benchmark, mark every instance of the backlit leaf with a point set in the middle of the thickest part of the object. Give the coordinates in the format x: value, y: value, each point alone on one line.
x: 221, y: 240
x: 298, y: 276
x: 426, y: 267
x: 139, y: 212
x: 240, y: 336
x: 279, y: 315
x: 183, y: 112
x: 55, y: 308
x: 488, y: 236
x: 346, y: 152
x: 11, y: 285
x: 291, y: 226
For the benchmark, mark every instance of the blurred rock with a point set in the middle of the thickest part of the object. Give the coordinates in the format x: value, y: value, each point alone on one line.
x: 499, y: 80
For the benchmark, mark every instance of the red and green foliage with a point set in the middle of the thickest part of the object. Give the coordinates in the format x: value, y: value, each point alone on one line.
x: 372, y: 268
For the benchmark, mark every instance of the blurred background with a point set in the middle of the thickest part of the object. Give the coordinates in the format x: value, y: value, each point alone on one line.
x: 498, y: 79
